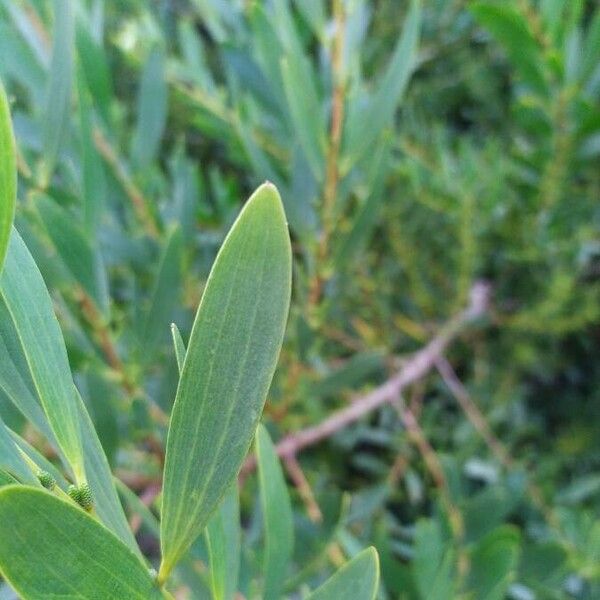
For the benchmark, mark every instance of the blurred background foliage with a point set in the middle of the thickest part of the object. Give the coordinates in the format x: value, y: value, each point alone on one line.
x: 419, y: 146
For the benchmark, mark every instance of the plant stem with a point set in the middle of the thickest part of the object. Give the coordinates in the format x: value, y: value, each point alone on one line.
x: 413, y: 370
x: 333, y: 152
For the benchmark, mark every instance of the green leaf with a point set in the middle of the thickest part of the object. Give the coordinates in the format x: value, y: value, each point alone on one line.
x: 76, y: 252
x: 223, y: 537
x: 95, y: 69
x: 359, y: 579
x: 93, y: 175
x: 11, y: 459
x: 433, y: 562
x: 63, y: 552
x: 151, y: 111
x: 164, y: 296
x: 33, y: 457
x: 305, y: 113
x: 591, y: 50
x: 15, y: 380
x: 30, y: 307
x: 365, y: 126
x: 57, y: 112
x: 100, y: 479
x: 493, y: 562
x: 277, y: 516
x: 511, y: 30
x: 228, y: 367
x: 6, y: 479
x: 8, y: 175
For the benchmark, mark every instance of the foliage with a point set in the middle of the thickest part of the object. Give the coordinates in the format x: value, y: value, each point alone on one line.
x: 418, y: 147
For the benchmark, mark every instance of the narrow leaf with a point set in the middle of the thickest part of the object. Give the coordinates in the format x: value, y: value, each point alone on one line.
x: 304, y: 113
x: 63, y: 552
x: 229, y: 364
x: 277, y: 516
x: 76, y: 251
x: 164, y: 296
x: 512, y: 31
x: 30, y: 307
x: 98, y: 474
x: 223, y: 537
x: 8, y: 175
x: 364, y: 129
x: 152, y: 111
x: 57, y: 111
x: 359, y: 579
x: 11, y: 459
x: 15, y: 380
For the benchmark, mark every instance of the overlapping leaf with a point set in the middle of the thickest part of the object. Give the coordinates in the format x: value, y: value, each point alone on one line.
x: 60, y: 551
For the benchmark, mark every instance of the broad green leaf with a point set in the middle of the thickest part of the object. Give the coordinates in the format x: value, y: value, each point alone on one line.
x: 228, y: 367
x: 359, y: 579
x: 365, y: 126
x: 151, y: 111
x: 62, y: 552
x: 11, y: 459
x: 277, y: 516
x: 493, y: 562
x: 76, y: 251
x: 223, y: 539
x: 57, y: 113
x: 28, y: 302
x: 8, y: 175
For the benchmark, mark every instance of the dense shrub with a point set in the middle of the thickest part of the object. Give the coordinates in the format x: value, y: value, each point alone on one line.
x: 419, y: 147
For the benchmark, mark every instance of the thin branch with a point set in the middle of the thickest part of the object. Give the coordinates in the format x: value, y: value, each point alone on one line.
x: 303, y: 486
x: 417, y: 436
x: 414, y: 369
x: 472, y: 411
